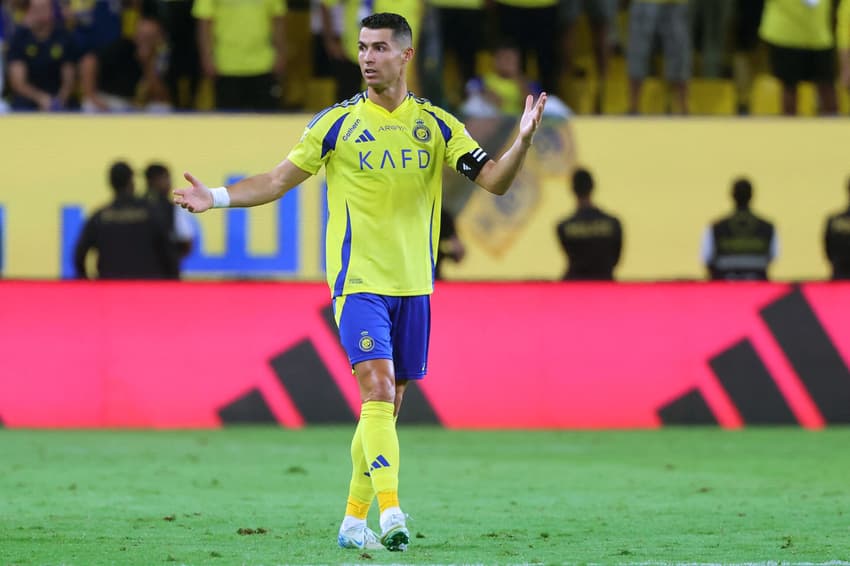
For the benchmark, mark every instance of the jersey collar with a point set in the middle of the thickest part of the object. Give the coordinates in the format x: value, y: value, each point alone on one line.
x: 401, y: 107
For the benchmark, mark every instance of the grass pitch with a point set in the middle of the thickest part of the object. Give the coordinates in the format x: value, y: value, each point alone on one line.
x: 262, y: 496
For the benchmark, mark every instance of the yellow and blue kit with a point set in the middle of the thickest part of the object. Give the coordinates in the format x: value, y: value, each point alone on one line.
x: 384, y: 176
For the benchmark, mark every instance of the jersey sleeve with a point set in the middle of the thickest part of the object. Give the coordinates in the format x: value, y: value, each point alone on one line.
x: 463, y: 153
x: 318, y: 140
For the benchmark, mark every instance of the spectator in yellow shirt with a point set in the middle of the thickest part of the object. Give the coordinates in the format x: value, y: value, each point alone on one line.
x: 799, y: 35
x: 502, y: 90
x: 241, y: 48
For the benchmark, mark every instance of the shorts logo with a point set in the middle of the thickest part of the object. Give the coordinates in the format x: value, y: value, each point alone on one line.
x: 366, y: 344
x: 421, y: 131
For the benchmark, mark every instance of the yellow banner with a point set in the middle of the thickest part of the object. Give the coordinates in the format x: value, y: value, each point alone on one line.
x: 665, y: 178
x: 56, y: 164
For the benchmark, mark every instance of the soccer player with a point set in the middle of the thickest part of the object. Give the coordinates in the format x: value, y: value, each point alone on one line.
x: 383, y: 152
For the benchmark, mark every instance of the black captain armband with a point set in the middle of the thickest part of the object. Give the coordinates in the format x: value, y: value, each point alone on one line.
x: 469, y: 164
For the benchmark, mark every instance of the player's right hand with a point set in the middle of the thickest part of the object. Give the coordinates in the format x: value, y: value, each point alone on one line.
x: 196, y: 198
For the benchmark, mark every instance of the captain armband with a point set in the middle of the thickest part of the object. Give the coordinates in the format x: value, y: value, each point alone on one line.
x: 470, y: 164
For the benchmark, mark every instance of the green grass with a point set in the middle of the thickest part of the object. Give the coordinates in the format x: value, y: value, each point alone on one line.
x: 616, y: 497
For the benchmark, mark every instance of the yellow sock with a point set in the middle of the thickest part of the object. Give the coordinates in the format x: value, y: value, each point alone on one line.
x: 380, y: 446
x: 356, y: 508
x: 360, y: 492
x: 387, y: 499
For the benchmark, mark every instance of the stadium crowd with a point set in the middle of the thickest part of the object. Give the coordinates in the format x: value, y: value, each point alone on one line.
x: 600, y: 56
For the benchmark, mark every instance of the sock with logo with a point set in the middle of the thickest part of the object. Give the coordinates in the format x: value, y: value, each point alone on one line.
x: 360, y: 491
x: 380, y: 446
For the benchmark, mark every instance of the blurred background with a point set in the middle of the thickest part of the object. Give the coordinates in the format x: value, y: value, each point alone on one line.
x: 672, y: 250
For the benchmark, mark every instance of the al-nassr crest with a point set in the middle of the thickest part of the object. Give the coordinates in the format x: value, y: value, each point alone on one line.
x: 421, y: 131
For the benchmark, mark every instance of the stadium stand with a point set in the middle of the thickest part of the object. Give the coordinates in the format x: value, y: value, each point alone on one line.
x: 584, y: 90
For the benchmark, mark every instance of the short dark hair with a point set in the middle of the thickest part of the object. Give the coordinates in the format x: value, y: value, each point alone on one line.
x: 120, y: 176
x: 155, y: 170
x: 388, y: 20
x: 582, y: 182
x: 742, y: 191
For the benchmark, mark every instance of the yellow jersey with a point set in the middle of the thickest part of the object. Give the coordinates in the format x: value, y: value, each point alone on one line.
x: 799, y: 24
x: 242, y: 33
x: 509, y: 91
x: 384, y: 177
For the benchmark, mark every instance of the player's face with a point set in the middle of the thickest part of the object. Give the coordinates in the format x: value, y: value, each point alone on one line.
x: 382, y: 58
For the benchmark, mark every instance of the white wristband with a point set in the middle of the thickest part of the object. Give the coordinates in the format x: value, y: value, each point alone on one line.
x: 221, y: 198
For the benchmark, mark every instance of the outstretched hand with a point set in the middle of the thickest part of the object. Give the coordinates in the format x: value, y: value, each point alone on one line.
x: 196, y: 198
x: 531, y: 117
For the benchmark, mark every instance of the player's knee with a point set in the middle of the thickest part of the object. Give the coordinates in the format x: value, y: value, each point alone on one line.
x: 376, y: 386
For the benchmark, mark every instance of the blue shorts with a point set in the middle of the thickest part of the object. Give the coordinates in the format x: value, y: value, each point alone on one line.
x: 379, y: 327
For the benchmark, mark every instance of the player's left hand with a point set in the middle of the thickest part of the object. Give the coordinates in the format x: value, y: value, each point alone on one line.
x: 531, y: 117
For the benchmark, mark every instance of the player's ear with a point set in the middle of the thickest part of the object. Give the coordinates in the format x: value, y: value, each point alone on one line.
x: 407, y: 54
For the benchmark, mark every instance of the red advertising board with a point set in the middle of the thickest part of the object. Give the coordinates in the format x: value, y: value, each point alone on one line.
x: 533, y: 355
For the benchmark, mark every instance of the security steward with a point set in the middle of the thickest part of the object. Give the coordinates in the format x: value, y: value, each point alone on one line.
x: 837, y: 242
x: 740, y: 247
x: 591, y: 239
x: 130, y: 237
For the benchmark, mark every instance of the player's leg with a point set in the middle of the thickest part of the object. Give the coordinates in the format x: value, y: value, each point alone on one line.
x: 354, y: 531
x: 364, y: 331
x: 380, y: 445
x: 411, y: 329
x: 365, y: 326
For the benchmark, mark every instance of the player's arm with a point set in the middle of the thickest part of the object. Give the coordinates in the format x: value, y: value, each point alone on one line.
x: 496, y: 176
x: 251, y: 191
